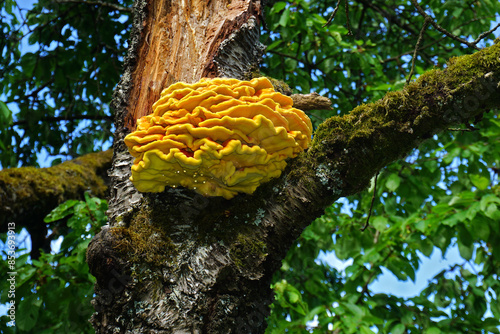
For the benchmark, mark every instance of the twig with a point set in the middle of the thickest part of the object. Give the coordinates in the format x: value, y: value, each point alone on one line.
x: 333, y: 15
x: 321, y: 119
x: 486, y: 33
x: 348, y: 22
x: 371, y: 205
x: 469, y: 129
x: 441, y: 29
x: 100, y: 3
x: 390, y: 18
x: 66, y: 118
x: 417, y: 46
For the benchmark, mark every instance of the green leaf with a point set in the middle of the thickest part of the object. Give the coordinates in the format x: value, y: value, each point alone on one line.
x: 488, y: 206
x: 366, y: 330
x: 5, y: 115
x: 284, y: 18
x: 398, y: 329
x: 273, y: 45
x: 380, y: 223
x: 426, y: 247
x: 492, y: 212
x: 390, y: 205
x: 29, y: 308
x: 479, y: 181
x: 465, y: 251
x: 293, y: 296
x: 61, y: 211
x: 278, y: 6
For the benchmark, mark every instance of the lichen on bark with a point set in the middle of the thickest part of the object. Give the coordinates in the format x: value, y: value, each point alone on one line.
x: 28, y: 194
x: 226, y: 251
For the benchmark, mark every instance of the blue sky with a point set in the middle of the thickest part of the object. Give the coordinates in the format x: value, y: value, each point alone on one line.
x: 386, y: 283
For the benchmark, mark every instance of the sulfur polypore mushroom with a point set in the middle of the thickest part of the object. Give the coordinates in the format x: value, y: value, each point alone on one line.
x: 218, y: 137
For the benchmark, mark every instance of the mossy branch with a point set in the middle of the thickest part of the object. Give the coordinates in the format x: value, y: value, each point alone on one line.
x: 225, y: 251
x: 348, y: 151
x: 28, y: 194
x: 357, y: 145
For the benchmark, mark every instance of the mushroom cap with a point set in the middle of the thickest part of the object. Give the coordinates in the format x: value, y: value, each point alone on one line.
x: 218, y: 137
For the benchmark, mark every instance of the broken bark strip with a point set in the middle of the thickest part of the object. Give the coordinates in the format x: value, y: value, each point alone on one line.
x: 174, y: 41
x: 312, y: 101
x: 179, y: 42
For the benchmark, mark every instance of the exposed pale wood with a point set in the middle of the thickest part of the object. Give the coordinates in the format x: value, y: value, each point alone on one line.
x: 179, y: 42
x: 312, y: 101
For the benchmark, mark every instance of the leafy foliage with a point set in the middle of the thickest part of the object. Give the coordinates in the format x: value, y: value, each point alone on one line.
x: 53, y: 293
x: 357, y: 68
x: 60, y: 62
x: 444, y: 195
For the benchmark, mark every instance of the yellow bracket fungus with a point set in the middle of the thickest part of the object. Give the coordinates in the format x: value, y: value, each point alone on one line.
x: 218, y: 137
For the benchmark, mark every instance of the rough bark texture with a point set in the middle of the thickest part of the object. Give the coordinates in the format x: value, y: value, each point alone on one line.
x: 177, y: 262
x: 312, y: 101
x: 185, y: 41
x: 176, y: 41
x: 28, y: 194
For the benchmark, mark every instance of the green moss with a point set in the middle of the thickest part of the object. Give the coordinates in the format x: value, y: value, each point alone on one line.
x: 247, y: 250
x: 387, y: 129
x: 144, y: 241
x: 280, y: 86
x: 28, y: 193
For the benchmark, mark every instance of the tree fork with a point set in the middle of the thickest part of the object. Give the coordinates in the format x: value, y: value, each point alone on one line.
x: 177, y: 262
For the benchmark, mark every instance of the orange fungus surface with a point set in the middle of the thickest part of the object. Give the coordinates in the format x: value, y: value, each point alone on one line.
x: 218, y: 137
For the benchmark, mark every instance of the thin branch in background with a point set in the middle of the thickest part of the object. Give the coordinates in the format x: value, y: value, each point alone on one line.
x: 70, y: 118
x: 333, y: 15
x: 393, y: 19
x: 486, y: 33
x: 441, y: 29
x: 348, y: 22
x: 417, y: 46
x: 469, y: 128
x: 99, y: 3
x: 360, y: 23
x: 321, y: 119
x: 371, y: 205
x: 444, y: 37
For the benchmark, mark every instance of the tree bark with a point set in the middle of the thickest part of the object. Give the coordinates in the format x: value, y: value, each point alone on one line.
x: 177, y: 262
x: 28, y: 194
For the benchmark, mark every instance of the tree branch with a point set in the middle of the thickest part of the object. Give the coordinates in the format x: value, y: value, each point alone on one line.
x: 441, y: 29
x: 312, y: 101
x: 357, y: 145
x: 68, y: 118
x: 28, y: 194
x: 99, y: 3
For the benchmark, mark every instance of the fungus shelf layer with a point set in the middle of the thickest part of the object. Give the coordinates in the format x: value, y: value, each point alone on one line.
x: 218, y: 137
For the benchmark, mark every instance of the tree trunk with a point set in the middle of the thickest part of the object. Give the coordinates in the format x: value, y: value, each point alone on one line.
x: 177, y: 262
x: 174, y: 262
